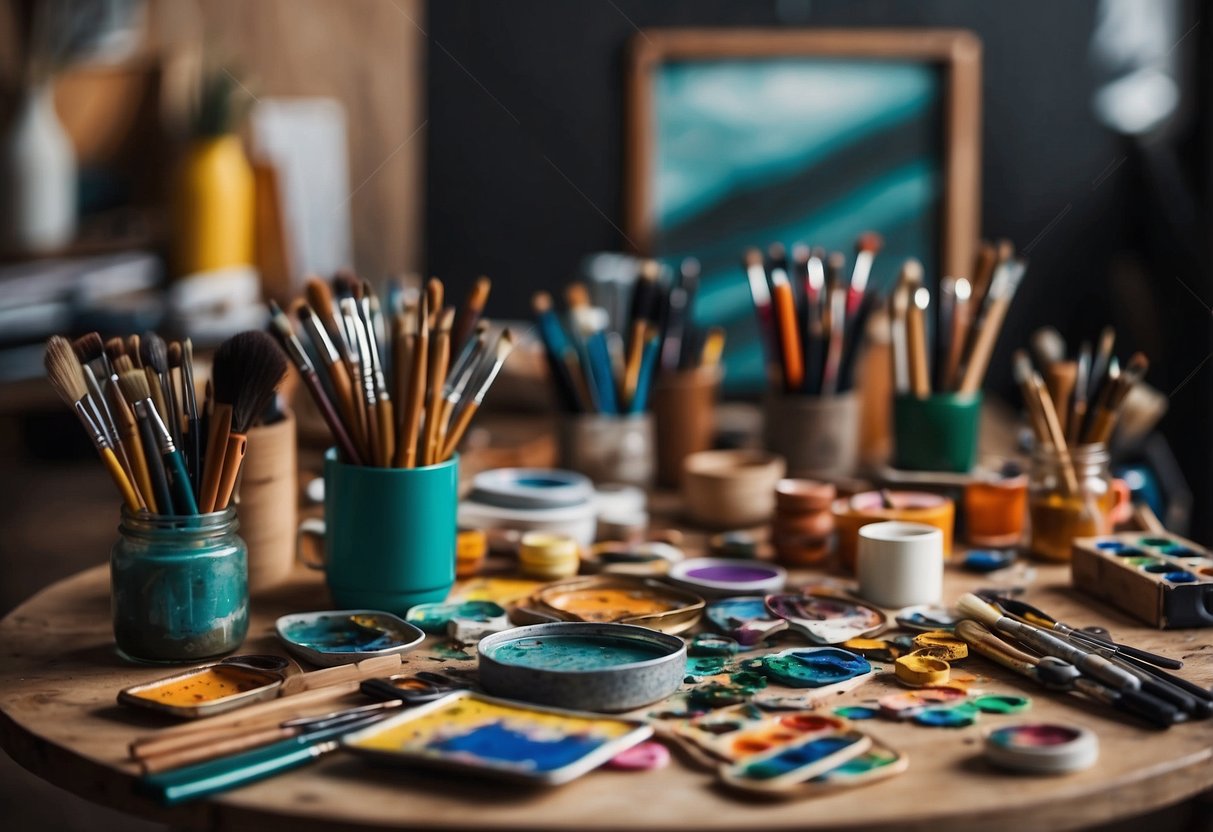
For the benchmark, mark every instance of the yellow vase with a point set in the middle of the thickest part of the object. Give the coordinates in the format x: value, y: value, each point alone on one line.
x: 213, y: 220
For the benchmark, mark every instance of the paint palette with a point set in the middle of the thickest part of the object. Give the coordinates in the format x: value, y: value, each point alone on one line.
x: 719, y: 577
x: 343, y: 636
x: 739, y: 731
x: 788, y: 766
x: 1042, y: 748
x: 211, y: 689
x: 473, y: 733
x: 461, y: 620
x: 826, y: 619
x: 927, y: 618
x: 814, y: 667
x: 1161, y: 579
x: 745, y: 619
x: 621, y: 599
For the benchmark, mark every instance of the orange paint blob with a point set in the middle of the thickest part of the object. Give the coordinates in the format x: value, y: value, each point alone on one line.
x: 206, y: 685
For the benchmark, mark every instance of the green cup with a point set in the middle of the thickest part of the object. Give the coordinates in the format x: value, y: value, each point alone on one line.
x: 389, y: 539
x: 938, y: 433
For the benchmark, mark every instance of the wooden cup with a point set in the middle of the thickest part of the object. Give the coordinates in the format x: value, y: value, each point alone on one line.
x: 684, y: 416
x: 268, y: 503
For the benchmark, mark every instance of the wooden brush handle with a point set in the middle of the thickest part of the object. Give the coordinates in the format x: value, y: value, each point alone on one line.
x: 343, y: 389
x: 983, y: 346
x: 233, y: 457
x: 216, y: 444
x: 387, y: 432
x: 406, y: 445
x: 340, y: 435
x: 128, y: 434
x: 119, y: 477
x: 456, y: 432
x: 231, y: 742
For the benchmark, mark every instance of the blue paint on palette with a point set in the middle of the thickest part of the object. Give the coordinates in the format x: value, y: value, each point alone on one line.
x: 497, y: 742
x: 346, y: 634
x: 796, y: 757
x: 857, y: 712
x: 813, y: 668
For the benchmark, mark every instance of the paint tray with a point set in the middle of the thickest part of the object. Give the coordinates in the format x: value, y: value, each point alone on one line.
x: 471, y: 732
x: 212, y: 688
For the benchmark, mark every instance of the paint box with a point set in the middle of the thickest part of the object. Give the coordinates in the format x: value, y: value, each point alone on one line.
x: 1161, y: 579
x: 473, y: 733
x: 328, y: 639
x: 211, y: 689
x: 593, y: 667
x: 735, y: 733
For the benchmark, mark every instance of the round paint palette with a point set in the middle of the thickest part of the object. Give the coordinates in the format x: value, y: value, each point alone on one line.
x: 745, y: 619
x: 716, y: 577
x: 531, y: 488
x: 812, y: 667
x: 826, y: 619
x: 622, y: 599
x: 1042, y: 748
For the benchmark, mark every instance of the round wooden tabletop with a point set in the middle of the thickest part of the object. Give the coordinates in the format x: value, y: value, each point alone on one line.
x: 58, y: 718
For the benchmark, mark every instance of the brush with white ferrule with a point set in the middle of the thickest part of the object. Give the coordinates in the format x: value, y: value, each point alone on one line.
x: 760, y: 293
x: 866, y: 248
x: 461, y: 374
x: 505, y: 344
x: 382, y: 411
x: 1089, y: 663
x: 362, y: 376
x: 137, y: 391
x: 1049, y: 671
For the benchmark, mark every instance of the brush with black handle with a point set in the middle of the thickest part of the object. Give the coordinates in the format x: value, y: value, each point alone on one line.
x: 170, y: 482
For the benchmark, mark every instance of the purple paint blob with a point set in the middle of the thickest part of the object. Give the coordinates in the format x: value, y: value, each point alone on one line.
x: 731, y: 574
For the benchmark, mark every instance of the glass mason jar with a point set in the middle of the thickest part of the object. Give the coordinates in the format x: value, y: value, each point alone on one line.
x: 1060, y: 513
x: 179, y: 586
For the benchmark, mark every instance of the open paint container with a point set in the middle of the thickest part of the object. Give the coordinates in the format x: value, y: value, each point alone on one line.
x: 211, y: 689
x: 585, y: 666
x: 1042, y: 748
x: 340, y: 637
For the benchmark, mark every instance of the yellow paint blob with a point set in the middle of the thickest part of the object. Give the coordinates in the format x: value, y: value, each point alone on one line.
x: 207, y: 685
x: 608, y: 604
x: 918, y: 670
x: 942, y: 645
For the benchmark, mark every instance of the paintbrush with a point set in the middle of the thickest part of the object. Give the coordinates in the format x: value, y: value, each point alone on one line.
x: 440, y: 356
x: 193, y: 424
x: 133, y: 384
x: 90, y: 351
x: 154, y: 352
x: 916, y: 335
x: 1060, y: 376
x: 158, y: 352
x: 66, y: 376
x: 713, y: 347
x: 1048, y: 347
x: 838, y: 300
x: 784, y: 310
x: 410, y: 426
x: 899, y: 310
x: 561, y: 356
x: 360, y: 371
x: 247, y: 368
x: 339, y: 377
x: 866, y: 248
x: 856, y: 335
x: 435, y: 293
x: 299, y: 357
x: 170, y: 480
x: 1103, y: 422
x: 404, y: 332
x: 984, y: 333
x: 176, y: 399
x: 1101, y: 363
x: 324, y: 309
x: 760, y: 294
x: 134, y: 351
x: 128, y: 431
x: 470, y: 312
x: 461, y: 373
x: 501, y: 351
x: 961, y: 319
x: 1082, y: 383
x: 385, y: 420
x: 648, y: 368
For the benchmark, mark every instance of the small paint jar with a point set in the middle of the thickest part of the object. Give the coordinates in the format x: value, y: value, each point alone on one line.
x: 1061, y: 511
x: 179, y: 586
x: 995, y: 507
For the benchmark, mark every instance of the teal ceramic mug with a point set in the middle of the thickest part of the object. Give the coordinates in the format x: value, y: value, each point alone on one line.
x: 938, y: 433
x: 389, y: 534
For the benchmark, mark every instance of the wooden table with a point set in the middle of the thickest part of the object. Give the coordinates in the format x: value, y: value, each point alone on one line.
x: 59, y: 719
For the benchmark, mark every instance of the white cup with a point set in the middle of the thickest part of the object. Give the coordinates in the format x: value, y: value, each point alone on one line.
x: 900, y: 564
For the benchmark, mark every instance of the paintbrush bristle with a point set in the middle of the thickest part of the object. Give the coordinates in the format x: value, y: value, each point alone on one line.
x: 123, y: 364
x: 911, y: 271
x: 133, y: 349
x: 174, y: 354
x: 134, y: 386
x: 154, y: 352
x: 280, y: 321
x: 541, y: 302
x: 869, y: 241
x: 1022, y: 366
x: 479, y: 295
x: 345, y: 284
x: 114, y: 348
x: 319, y: 296
x: 577, y: 296
x: 248, y: 367
x: 88, y: 347
x: 434, y: 292
x: 970, y: 606
x: 63, y: 370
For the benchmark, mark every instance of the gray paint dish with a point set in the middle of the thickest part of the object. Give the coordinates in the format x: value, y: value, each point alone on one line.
x: 581, y: 665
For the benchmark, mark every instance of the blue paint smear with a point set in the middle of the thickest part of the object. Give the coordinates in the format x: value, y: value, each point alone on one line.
x: 498, y: 743
x: 338, y: 634
x: 795, y: 757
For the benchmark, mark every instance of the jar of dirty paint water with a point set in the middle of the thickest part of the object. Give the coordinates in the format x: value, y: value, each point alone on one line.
x: 1064, y: 506
x: 179, y: 586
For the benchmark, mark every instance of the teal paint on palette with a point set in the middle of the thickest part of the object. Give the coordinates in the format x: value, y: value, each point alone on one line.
x: 344, y: 634
x: 866, y: 763
x: 575, y: 653
x: 434, y: 618
x: 812, y: 668
x: 1002, y: 704
x: 706, y: 665
x: 857, y: 712
x: 960, y: 716
x: 796, y: 757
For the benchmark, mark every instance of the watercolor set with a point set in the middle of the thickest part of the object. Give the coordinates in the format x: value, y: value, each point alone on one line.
x: 328, y: 639
x: 211, y: 689
x: 478, y: 734
x: 790, y: 765
x: 1161, y: 579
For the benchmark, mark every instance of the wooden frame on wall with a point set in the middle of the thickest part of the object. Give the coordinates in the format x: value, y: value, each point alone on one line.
x: 956, y: 52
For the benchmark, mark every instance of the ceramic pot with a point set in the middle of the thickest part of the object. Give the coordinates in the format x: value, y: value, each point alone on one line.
x: 37, y: 176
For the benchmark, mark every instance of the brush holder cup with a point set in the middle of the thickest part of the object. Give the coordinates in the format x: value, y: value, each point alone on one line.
x: 938, y: 433
x: 269, y: 503
x: 1060, y: 511
x: 684, y: 416
x: 389, y: 534
x: 817, y: 435
x: 179, y: 586
x: 616, y: 449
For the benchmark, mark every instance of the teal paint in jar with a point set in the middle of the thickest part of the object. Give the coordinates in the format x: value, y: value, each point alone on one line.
x: 179, y: 586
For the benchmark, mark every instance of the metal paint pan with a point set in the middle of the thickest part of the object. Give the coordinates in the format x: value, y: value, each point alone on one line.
x: 583, y: 666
